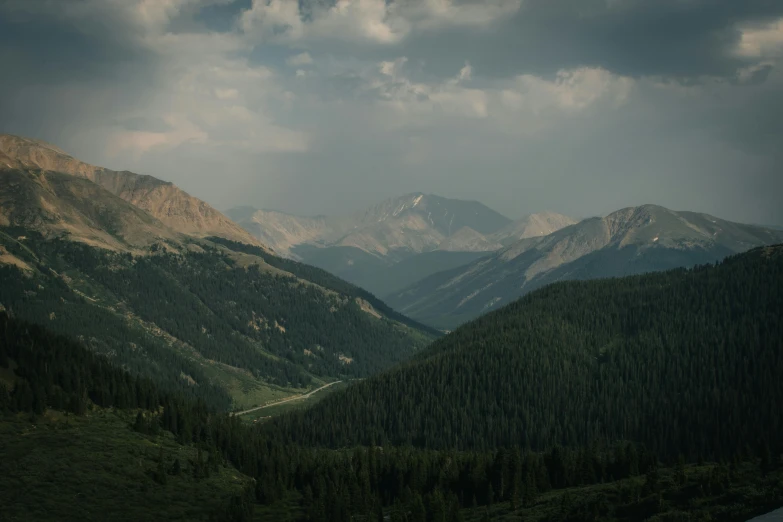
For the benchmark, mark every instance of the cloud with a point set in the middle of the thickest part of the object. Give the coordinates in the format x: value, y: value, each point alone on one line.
x: 226, y: 94
x: 139, y: 142
x: 317, y: 106
x: 299, y: 60
x: 400, y: 100
x: 372, y: 21
x: 690, y: 39
x: 571, y: 90
x: 765, y: 41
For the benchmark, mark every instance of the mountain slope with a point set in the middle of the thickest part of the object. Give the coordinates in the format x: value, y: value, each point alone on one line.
x: 71, y: 448
x: 534, y: 225
x: 58, y: 204
x: 629, y: 241
x: 684, y: 361
x: 283, y: 231
x: 165, y: 201
x: 221, y: 322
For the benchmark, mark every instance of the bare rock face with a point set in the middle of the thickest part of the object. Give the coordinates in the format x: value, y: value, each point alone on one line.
x: 165, y: 201
x: 57, y: 204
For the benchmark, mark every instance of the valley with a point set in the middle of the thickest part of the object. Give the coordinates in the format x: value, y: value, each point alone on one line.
x: 397, y: 242
x: 391, y: 261
x: 97, y: 264
x: 254, y: 366
x: 436, y: 436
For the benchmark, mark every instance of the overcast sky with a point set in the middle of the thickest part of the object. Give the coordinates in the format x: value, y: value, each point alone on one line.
x: 324, y: 106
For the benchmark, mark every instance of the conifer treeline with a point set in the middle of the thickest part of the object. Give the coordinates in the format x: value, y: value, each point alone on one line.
x: 54, y: 372
x: 687, y: 361
x: 404, y: 484
x: 228, y: 313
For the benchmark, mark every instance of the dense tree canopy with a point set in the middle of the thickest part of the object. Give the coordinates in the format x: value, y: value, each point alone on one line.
x: 152, y: 312
x: 686, y: 361
x: 576, y: 385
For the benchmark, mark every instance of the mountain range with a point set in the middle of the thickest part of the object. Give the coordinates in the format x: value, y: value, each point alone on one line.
x: 629, y: 241
x: 396, y: 242
x: 141, y: 331
x: 167, y: 287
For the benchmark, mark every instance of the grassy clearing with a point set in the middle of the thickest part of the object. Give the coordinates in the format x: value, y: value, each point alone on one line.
x: 279, y: 409
x: 246, y: 391
x: 58, y: 467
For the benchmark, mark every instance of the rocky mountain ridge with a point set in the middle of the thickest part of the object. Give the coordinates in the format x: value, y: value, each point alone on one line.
x: 629, y: 241
x: 166, y: 202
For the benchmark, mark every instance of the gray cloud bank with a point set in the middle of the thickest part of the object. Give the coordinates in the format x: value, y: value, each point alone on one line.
x: 579, y: 106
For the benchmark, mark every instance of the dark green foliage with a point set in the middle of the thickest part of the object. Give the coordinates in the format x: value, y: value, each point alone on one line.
x: 325, y: 279
x: 595, y: 478
x: 94, y: 469
x: 279, y: 328
x: 686, y: 361
x: 56, y: 372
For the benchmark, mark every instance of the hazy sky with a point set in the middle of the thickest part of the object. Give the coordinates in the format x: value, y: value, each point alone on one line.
x: 327, y: 106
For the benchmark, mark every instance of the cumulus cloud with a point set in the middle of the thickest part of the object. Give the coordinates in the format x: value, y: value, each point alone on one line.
x: 571, y: 90
x: 374, y: 21
x: 765, y: 41
x: 403, y: 101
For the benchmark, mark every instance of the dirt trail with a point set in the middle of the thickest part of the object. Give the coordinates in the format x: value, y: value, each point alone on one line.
x: 294, y: 398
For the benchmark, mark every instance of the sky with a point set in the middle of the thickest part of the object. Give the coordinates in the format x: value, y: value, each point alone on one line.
x: 329, y: 106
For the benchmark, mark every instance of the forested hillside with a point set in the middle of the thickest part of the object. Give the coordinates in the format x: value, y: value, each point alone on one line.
x: 72, y: 451
x: 86, y: 441
x: 212, y: 322
x: 686, y: 362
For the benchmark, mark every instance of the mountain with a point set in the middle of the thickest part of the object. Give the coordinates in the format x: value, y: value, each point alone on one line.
x: 467, y: 240
x: 57, y: 204
x: 364, y: 248
x: 418, y: 223
x: 684, y: 362
x: 396, y: 227
x: 163, y: 200
x: 533, y: 225
x: 630, y: 241
x: 224, y: 321
x: 221, y: 320
x: 283, y: 231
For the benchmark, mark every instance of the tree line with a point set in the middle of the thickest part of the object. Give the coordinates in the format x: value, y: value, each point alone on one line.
x: 686, y: 361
